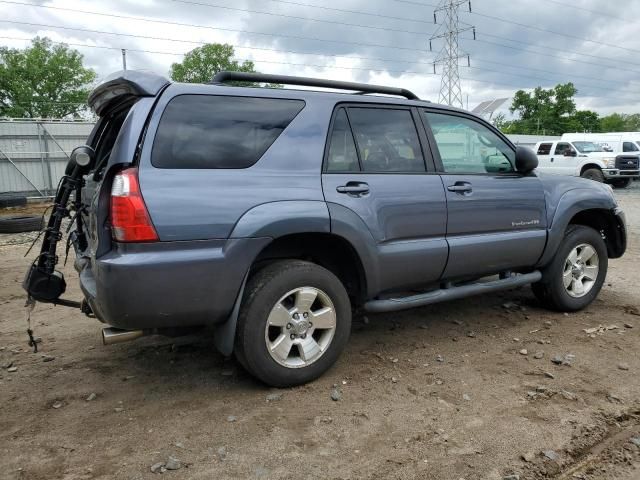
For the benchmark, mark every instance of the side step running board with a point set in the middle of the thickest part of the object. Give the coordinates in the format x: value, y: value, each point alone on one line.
x: 453, y: 293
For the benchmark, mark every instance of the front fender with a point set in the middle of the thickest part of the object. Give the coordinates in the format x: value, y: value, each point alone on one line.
x: 571, y: 203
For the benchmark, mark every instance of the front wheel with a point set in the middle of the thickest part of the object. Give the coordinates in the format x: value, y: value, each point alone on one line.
x: 294, y: 322
x: 593, y: 174
x: 576, y: 273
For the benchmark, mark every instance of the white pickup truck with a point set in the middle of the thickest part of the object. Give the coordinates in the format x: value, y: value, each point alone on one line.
x: 588, y: 160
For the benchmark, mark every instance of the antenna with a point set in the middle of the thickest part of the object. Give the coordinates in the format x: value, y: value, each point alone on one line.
x: 450, y: 90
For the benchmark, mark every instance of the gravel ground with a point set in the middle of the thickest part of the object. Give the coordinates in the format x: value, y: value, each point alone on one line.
x: 463, y: 390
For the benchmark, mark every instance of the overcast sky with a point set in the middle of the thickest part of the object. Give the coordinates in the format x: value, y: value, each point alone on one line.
x: 376, y: 41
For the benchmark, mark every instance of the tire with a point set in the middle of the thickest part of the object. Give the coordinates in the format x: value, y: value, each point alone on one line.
x: 277, y: 290
x: 551, y: 290
x: 6, y: 202
x: 621, y: 183
x: 17, y: 224
x: 593, y: 174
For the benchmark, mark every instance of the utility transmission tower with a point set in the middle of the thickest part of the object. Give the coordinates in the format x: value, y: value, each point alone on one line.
x: 450, y: 30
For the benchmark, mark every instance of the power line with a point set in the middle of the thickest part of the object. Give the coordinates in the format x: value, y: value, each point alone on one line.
x: 350, y: 57
x: 322, y: 40
x: 553, y: 56
x: 597, y: 12
x: 545, y: 30
x: 608, y: 59
x: 530, y: 26
x: 341, y: 10
x: 143, y: 19
x: 278, y: 51
x: 334, y: 67
x: 297, y: 37
x: 282, y: 35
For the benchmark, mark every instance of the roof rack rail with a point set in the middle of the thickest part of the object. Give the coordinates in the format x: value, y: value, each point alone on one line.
x: 361, y: 88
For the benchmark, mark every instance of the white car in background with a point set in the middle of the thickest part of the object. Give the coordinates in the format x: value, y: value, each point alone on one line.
x: 582, y: 158
x: 625, y: 142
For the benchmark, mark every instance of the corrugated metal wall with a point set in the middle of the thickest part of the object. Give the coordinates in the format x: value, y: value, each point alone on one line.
x: 33, y: 154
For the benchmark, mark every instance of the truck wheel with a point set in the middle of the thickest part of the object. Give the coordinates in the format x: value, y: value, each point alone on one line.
x: 576, y: 273
x: 621, y: 183
x: 593, y: 174
x: 294, y: 322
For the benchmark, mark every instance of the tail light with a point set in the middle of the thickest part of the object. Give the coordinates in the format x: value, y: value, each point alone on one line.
x: 130, y: 221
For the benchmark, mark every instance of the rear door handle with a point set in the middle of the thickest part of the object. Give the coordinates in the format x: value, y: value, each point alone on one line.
x: 460, y: 187
x: 353, y: 188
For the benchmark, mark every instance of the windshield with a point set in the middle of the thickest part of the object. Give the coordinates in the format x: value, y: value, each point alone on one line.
x: 587, y: 147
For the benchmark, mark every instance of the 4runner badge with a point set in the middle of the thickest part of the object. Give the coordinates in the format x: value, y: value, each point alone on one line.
x: 525, y: 223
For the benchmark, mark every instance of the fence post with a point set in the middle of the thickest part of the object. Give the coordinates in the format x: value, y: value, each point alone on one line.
x: 42, y: 161
x: 48, y: 157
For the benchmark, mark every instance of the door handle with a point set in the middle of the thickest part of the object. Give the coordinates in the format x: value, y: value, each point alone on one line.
x: 552, y: 159
x: 460, y: 187
x: 354, y: 188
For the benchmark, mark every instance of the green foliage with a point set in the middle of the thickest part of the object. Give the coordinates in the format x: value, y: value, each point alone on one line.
x: 553, y: 112
x: 544, y: 111
x: 620, y: 122
x: 43, y: 81
x: 202, y: 63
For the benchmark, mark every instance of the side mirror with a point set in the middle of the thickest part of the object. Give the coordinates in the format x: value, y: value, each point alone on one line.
x: 570, y: 153
x: 526, y: 160
x: 83, y: 157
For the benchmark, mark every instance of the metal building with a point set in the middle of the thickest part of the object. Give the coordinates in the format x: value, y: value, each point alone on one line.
x: 34, y: 153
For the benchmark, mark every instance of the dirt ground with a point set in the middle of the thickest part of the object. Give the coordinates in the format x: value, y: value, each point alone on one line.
x: 491, y: 408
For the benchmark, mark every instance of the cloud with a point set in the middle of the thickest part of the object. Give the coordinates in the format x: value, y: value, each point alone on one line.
x: 383, y: 41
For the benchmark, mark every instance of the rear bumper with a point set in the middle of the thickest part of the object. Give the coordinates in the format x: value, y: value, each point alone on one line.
x: 167, y: 284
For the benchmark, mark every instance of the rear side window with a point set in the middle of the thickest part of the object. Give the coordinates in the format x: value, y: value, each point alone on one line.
x: 211, y: 131
x: 544, y: 148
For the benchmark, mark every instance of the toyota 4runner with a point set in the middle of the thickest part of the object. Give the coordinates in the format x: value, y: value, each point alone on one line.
x: 270, y: 214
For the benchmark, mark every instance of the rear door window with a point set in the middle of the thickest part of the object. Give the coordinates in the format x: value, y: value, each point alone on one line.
x: 212, y: 131
x: 387, y: 140
x: 544, y: 148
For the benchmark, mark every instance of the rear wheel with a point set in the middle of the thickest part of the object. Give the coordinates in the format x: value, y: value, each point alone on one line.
x: 575, y: 276
x: 593, y: 174
x: 294, y: 323
x: 621, y: 183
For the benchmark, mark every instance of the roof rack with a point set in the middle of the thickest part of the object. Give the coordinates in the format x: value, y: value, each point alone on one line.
x: 361, y: 88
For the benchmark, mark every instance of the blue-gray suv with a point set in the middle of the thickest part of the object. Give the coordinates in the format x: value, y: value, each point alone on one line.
x: 270, y: 214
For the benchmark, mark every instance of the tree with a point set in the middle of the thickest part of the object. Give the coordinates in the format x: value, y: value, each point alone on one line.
x: 613, y: 123
x: 202, y: 63
x: 543, y: 111
x: 550, y: 112
x: 43, y: 81
x: 620, y: 122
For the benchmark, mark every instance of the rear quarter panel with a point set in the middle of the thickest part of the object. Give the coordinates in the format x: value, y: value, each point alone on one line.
x: 198, y: 204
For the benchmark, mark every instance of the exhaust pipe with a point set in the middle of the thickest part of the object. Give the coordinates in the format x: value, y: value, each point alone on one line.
x: 111, y: 335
